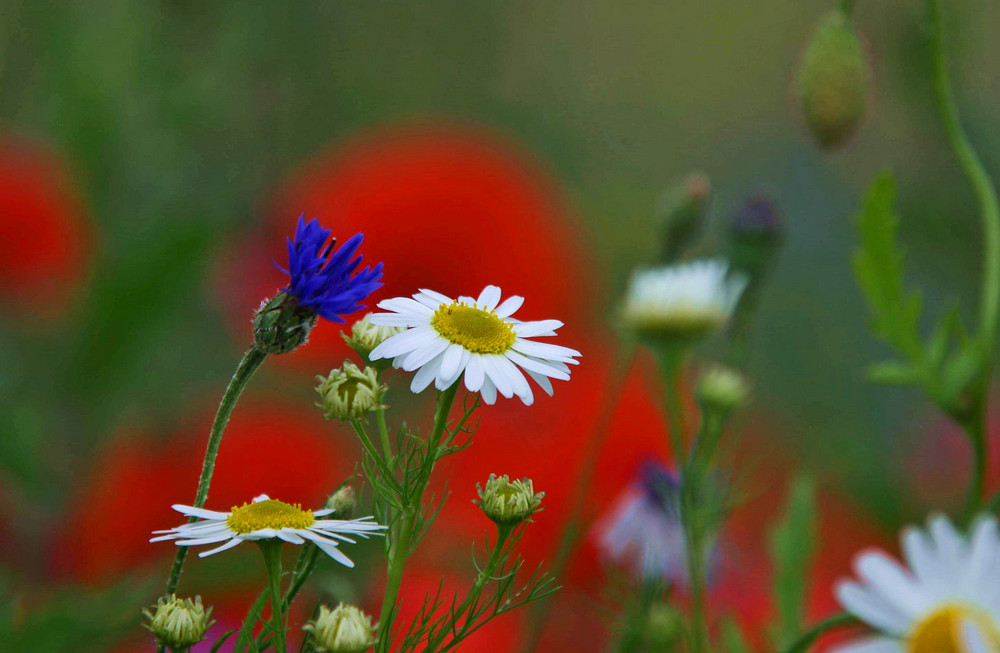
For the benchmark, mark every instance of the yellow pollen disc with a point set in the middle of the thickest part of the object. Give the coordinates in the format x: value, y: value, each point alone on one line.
x: 478, y: 331
x: 941, y: 630
x: 270, y: 513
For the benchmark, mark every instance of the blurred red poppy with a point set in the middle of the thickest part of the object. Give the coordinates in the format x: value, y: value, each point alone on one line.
x: 445, y: 206
x: 269, y: 447
x: 46, y: 239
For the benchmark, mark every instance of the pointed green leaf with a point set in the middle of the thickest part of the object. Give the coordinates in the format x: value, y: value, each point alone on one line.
x: 937, y: 345
x: 792, y: 546
x: 894, y: 373
x: 878, y: 267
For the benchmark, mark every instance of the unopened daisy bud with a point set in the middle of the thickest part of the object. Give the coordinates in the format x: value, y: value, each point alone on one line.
x: 281, y: 325
x: 833, y: 81
x: 507, y: 502
x: 681, y: 212
x: 722, y: 389
x: 349, y: 392
x: 366, y: 336
x: 345, y: 629
x: 177, y: 623
x: 342, y: 503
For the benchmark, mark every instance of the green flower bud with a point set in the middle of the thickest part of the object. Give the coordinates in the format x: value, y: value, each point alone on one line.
x: 281, y: 325
x: 507, y: 502
x: 366, y: 336
x: 664, y: 628
x: 681, y: 212
x: 349, y: 392
x: 833, y: 81
x: 722, y: 389
x: 343, y: 503
x: 345, y: 629
x: 177, y: 623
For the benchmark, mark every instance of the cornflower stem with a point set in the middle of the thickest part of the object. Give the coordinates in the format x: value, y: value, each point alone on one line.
x: 272, y: 562
x: 250, y: 363
x: 802, y: 644
x: 989, y: 318
x: 571, y: 533
x: 403, y: 528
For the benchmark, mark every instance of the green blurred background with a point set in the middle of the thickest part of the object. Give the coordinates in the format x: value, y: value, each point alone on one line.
x: 179, y: 120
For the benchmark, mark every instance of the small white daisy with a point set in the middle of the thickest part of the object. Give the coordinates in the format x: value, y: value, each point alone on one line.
x: 267, y: 518
x: 947, y: 601
x: 478, y: 337
x: 690, y: 299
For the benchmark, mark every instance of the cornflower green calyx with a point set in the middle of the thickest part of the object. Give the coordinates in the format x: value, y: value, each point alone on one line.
x: 366, y: 336
x: 833, y: 81
x: 281, y: 325
x: 507, y: 502
x: 345, y: 629
x: 722, y: 389
x: 349, y: 392
x: 177, y: 623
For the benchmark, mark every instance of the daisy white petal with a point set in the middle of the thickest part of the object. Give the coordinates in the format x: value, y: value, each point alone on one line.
x: 509, y: 306
x: 489, y: 298
x: 475, y: 373
x: 489, y: 391
x: 219, y: 549
x: 541, y: 327
x: 426, y: 375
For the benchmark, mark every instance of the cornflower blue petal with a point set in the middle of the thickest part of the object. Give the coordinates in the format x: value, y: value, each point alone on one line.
x: 323, y: 277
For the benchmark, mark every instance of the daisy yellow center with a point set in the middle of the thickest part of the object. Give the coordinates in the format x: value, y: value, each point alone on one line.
x: 941, y: 630
x: 478, y: 331
x: 269, y: 513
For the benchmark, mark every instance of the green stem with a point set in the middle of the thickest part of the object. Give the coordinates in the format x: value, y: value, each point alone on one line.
x: 399, y: 548
x: 250, y: 363
x: 383, y: 433
x: 845, y: 6
x: 671, y: 365
x: 694, y: 552
x: 272, y: 562
x: 574, y: 524
x: 980, y: 180
x: 803, y: 643
x: 976, y: 432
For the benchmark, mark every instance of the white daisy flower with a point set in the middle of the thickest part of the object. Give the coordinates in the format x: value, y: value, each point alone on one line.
x: 478, y: 337
x: 690, y: 299
x: 267, y: 518
x: 946, y: 601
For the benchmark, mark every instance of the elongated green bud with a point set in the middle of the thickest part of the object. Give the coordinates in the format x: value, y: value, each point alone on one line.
x: 681, y: 213
x: 833, y: 81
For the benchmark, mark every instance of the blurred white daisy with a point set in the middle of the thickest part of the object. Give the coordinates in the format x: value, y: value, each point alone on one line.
x: 267, y: 518
x: 478, y: 337
x: 685, y: 300
x: 946, y: 601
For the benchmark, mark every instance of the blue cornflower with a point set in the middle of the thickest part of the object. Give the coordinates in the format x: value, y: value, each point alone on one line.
x: 322, y: 277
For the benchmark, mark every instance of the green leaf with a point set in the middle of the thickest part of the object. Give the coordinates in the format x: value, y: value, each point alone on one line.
x: 878, y: 267
x: 937, y: 345
x: 894, y: 373
x: 732, y: 637
x: 792, y: 545
x: 960, y: 372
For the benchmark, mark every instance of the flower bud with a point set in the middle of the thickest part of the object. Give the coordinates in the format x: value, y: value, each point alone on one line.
x: 345, y: 629
x: 342, y: 503
x: 281, y: 325
x: 507, y: 502
x: 722, y: 389
x: 366, y: 336
x: 664, y: 628
x: 756, y: 232
x: 349, y: 392
x: 833, y: 81
x: 177, y: 623
x: 681, y: 212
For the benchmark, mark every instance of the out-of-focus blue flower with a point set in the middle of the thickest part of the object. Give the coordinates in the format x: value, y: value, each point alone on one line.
x: 323, y: 277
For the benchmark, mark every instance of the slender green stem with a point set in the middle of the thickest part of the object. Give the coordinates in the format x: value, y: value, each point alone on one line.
x: 383, y: 433
x: 250, y: 363
x: 845, y: 6
x: 671, y: 365
x: 978, y: 177
x: 802, y: 644
x: 975, y: 430
x: 403, y: 528
x: 574, y: 524
x: 272, y: 562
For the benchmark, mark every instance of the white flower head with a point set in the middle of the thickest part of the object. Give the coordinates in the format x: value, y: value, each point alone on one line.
x: 686, y: 300
x: 345, y: 629
x: 947, y: 600
x: 267, y: 518
x: 479, y: 338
